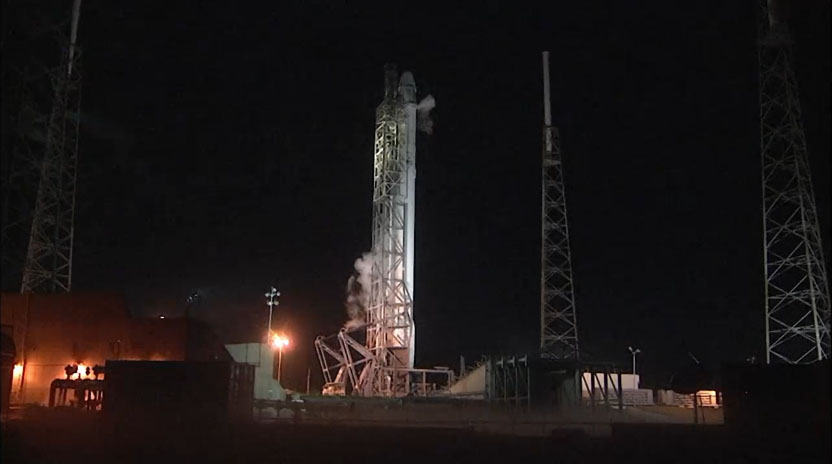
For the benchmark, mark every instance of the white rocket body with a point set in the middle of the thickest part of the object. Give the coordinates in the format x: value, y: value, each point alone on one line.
x: 407, y: 92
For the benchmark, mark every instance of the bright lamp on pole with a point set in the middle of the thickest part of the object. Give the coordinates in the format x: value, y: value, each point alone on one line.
x: 280, y: 343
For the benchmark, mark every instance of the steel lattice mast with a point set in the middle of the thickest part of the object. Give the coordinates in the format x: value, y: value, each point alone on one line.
x: 22, y: 156
x: 48, y: 264
x: 796, y: 290
x: 558, y: 328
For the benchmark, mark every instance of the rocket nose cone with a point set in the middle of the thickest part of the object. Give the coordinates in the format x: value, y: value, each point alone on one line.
x: 407, y: 79
x: 407, y: 87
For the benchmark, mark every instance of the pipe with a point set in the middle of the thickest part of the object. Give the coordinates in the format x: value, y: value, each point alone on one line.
x: 73, y: 34
x: 547, y: 109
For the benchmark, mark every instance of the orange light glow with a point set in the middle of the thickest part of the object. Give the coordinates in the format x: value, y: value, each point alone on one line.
x: 82, y: 370
x: 17, y: 371
x: 707, y: 397
x: 279, y: 341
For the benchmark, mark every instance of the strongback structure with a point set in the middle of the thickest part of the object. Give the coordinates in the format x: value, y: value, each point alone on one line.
x: 390, y: 331
x: 383, y: 364
x: 796, y: 287
x: 558, y: 328
x: 48, y: 262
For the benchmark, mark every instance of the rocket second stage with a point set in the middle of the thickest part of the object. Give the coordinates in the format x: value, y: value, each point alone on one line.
x: 407, y: 92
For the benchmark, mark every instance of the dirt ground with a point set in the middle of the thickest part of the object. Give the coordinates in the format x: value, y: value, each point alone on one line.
x: 677, y: 415
x: 72, y: 436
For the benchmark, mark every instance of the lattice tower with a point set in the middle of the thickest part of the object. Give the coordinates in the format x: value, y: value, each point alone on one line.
x: 796, y: 288
x: 558, y: 327
x: 48, y: 265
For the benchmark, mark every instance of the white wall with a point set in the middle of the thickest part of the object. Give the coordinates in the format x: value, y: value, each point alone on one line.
x: 472, y: 383
x: 260, y: 355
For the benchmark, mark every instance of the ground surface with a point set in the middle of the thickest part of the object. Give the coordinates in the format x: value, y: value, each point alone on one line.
x: 69, y: 437
x: 677, y: 415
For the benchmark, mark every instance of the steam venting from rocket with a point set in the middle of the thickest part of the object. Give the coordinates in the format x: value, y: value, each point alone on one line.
x: 358, y: 291
x: 423, y: 121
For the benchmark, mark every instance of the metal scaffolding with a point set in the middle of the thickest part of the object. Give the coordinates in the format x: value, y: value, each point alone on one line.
x: 796, y: 290
x: 510, y: 381
x: 604, y: 387
x: 23, y: 148
x: 390, y: 331
x: 376, y: 358
x: 558, y: 328
x: 48, y: 263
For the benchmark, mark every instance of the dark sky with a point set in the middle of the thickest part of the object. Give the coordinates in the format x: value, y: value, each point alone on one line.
x: 227, y: 146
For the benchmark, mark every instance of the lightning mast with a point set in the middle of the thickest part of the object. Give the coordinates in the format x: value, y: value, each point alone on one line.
x: 796, y: 289
x: 558, y: 328
x: 48, y: 263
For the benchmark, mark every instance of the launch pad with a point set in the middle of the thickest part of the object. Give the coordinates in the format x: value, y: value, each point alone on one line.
x: 347, y: 364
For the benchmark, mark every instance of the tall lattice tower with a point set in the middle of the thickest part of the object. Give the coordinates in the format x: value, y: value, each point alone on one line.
x: 48, y: 264
x: 796, y: 290
x: 374, y: 356
x: 22, y: 152
x: 390, y: 330
x: 558, y: 328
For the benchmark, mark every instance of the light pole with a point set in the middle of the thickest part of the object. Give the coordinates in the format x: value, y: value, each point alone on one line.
x: 192, y: 302
x: 634, y: 353
x: 279, y: 342
x: 279, y: 363
x: 273, y: 299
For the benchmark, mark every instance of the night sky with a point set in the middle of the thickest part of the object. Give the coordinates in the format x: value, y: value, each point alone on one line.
x: 228, y: 146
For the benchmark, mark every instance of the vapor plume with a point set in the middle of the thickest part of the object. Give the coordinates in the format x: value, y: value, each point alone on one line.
x: 358, y: 291
x: 423, y: 121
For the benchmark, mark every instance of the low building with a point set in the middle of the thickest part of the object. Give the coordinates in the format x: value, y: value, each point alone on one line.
x: 547, y: 383
x: 88, y: 329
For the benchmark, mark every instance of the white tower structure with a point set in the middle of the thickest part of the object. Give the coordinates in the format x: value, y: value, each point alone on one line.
x: 558, y: 328
x: 383, y: 364
x: 797, y: 306
x: 390, y: 329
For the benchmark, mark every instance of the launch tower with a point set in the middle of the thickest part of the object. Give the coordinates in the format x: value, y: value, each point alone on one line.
x: 383, y: 364
x: 390, y: 330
